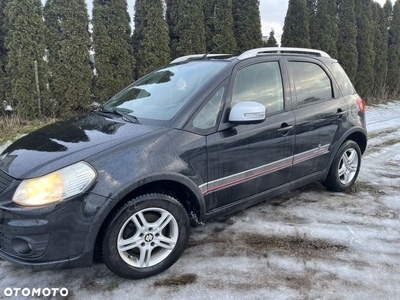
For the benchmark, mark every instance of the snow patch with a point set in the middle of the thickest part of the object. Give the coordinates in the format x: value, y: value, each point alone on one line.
x: 311, y: 244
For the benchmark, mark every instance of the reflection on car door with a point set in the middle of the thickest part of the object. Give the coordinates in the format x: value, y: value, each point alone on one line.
x: 245, y: 160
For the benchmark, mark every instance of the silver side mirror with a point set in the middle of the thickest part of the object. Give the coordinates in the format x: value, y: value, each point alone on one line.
x: 247, y: 112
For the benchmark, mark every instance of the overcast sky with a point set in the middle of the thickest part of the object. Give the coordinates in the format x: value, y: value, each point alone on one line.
x: 273, y: 14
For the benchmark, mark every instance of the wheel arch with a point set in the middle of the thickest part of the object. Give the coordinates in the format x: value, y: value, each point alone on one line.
x: 360, y: 138
x: 176, y: 185
x: 356, y: 134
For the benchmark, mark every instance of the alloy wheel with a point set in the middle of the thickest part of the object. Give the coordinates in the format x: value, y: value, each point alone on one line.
x: 348, y: 166
x: 147, y: 237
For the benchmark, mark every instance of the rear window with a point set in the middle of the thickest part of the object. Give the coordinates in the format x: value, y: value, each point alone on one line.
x: 311, y: 82
x: 342, y: 79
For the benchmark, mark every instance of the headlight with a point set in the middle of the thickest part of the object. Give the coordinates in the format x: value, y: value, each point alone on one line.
x: 56, y: 186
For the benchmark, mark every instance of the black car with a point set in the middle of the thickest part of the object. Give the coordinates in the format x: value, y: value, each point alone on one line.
x: 205, y: 136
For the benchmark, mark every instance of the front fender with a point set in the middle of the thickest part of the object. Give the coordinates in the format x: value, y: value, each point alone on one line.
x: 170, y: 176
x: 124, y: 191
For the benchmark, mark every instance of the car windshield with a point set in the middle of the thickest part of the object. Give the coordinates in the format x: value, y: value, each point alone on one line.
x: 158, y: 97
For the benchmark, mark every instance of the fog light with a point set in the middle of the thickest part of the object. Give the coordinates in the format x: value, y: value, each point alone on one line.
x: 21, y: 246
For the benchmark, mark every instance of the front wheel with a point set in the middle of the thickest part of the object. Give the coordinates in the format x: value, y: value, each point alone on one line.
x: 146, y: 236
x: 345, y: 168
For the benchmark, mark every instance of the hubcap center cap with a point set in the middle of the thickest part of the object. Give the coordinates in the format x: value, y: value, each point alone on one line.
x: 148, y: 238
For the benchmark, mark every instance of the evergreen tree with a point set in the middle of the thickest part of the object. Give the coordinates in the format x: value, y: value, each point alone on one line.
x: 271, y: 42
x: 296, y: 29
x: 68, y: 44
x: 393, y: 77
x: 347, y: 42
x: 114, y: 61
x: 24, y: 43
x: 2, y: 91
x: 2, y: 34
x: 312, y: 7
x: 388, y: 8
x: 323, y: 28
x: 218, y: 21
x: 380, y: 49
x: 312, y: 10
x: 2, y: 53
x: 151, y: 36
x: 247, y: 24
x: 365, y: 34
x: 185, y: 20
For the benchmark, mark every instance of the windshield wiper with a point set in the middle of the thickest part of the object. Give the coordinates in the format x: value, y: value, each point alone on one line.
x: 125, y: 116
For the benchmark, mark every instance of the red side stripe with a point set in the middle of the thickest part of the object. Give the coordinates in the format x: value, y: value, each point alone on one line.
x: 264, y: 172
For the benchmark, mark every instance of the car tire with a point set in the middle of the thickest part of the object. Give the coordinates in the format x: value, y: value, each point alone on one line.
x: 146, y: 236
x: 345, y: 167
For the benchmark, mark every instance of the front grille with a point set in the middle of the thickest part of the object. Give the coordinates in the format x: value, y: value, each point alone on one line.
x: 5, y: 181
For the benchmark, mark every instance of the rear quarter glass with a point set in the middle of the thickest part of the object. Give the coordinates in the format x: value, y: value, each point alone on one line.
x: 342, y: 79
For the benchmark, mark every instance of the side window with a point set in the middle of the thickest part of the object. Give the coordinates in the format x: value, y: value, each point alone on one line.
x: 208, y: 116
x: 261, y: 83
x: 311, y: 82
x: 344, y: 82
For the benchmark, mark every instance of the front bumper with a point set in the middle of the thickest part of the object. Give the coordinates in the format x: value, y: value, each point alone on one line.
x: 50, y: 237
x: 35, y: 265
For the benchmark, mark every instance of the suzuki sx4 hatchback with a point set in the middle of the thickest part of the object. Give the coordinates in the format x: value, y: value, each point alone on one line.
x: 204, y: 136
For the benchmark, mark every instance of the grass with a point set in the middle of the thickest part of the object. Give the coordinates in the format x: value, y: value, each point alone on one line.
x: 13, y: 126
x: 390, y: 143
x: 181, y: 280
x: 360, y: 186
x: 382, y: 133
x: 112, y: 286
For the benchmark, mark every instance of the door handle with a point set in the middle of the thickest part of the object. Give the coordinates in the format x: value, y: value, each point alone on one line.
x: 340, y: 113
x: 285, y: 128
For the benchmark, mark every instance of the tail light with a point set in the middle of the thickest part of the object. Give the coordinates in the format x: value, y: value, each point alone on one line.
x: 361, y: 105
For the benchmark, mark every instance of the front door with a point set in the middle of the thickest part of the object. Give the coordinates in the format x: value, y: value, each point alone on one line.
x: 245, y: 160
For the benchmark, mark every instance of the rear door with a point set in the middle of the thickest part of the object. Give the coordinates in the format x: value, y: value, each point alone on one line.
x: 319, y: 112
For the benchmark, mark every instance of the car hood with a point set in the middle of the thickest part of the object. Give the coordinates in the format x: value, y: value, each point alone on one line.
x: 63, y: 143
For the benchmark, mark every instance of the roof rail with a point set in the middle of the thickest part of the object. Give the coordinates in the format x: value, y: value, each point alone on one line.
x: 255, y: 52
x: 198, y: 56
